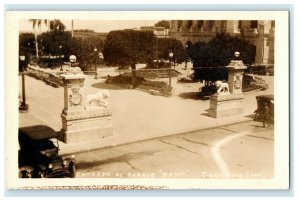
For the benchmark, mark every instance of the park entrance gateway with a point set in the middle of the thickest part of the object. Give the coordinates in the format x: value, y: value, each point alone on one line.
x: 229, y: 103
x: 84, y: 118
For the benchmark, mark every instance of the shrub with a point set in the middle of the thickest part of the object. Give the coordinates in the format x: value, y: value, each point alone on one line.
x: 162, y: 87
x: 125, y: 78
x: 208, y: 90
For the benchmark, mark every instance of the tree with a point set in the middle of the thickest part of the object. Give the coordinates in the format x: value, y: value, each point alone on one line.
x: 210, y: 59
x: 56, y: 25
x: 167, y: 45
x: 52, y: 24
x: 85, y: 51
x: 36, y: 23
x: 26, y: 44
x: 163, y: 23
x: 51, y: 42
x: 62, y: 43
x: 129, y: 47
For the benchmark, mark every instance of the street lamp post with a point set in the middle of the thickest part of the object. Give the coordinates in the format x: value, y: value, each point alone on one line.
x: 174, y: 62
x: 28, y: 51
x: 96, y: 73
x: 187, y: 58
x: 23, y: 107
x: 170, y: 75
x: 61, y: 69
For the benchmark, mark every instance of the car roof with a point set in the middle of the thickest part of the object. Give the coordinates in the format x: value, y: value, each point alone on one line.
x: 38, y: 132
x: 269, y: 96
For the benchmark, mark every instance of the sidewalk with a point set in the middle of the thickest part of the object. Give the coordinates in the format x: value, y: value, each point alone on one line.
x: 136, y: 116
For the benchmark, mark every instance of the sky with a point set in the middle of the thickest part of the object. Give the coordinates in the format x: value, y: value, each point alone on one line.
x: 96, y: 25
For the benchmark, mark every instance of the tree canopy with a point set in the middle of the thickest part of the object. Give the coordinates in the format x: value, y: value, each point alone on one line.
x: 167, y: 45
x: 210, y: 59
x: 163, y: 23
x: 62, y: 43
x: 26, y: 43
x: 56, y: 43
x: 53, y: 25
x: 129, y: 47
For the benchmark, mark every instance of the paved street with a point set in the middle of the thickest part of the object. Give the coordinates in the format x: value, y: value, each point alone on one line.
x: 243, y: 150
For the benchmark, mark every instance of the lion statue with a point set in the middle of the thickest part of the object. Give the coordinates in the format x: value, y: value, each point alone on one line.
x: 223, y: 88
x: 97, y: 100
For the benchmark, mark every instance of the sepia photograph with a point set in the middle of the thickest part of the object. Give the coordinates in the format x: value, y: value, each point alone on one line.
x: 147, y: 100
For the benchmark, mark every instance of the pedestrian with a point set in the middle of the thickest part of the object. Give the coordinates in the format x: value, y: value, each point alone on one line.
x: 266, y: 115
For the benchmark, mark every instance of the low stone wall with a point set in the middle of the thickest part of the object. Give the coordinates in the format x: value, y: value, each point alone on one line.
x: 53, y: 79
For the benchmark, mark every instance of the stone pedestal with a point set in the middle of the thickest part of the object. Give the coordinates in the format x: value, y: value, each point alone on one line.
x: 86, y: 125
x: 78, y: 123
x: 224, y: 105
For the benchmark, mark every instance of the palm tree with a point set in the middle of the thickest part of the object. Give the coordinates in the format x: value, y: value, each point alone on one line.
x: 52, y: 26
x: 36, y: 23
x: 57, y: 25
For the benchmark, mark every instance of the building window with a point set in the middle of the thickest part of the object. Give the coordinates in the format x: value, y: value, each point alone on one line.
x: 253, y: 24
x: 211, y: 24
x: 240, y: 24
x: 189, y: 24
x: 273, y: 24
x: 223, y: 25
x: 172, y: 25
x: 179, y: 24
x: 199, y: 24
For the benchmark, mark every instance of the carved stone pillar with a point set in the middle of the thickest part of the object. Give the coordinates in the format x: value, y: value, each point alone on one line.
x: 80, y: 123
x: 73, y: 93
x: 235, y: 76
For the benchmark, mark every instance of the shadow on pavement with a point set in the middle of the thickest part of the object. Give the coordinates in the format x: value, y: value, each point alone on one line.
x: 251, y: 116
x: 125, y: 158
x: 102, y: 85
x: 206, y: 114
x: 191, y: 95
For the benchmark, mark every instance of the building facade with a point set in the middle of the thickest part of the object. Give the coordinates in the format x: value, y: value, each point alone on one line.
x: 160, y: 32
x: 260, y: 33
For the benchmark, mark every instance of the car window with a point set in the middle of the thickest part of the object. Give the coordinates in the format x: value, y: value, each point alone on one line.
x: 44, y: 145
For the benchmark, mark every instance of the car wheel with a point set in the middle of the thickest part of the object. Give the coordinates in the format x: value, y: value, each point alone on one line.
x: 40, y: 174
x: 37, y: 173
x: 72, y: 170
x: 25, y: 174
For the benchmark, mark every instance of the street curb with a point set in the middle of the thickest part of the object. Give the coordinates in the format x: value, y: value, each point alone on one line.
x: 180, y: 132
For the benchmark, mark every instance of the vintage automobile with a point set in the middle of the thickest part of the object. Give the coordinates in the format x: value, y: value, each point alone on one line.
x: 261, y: 101
x: 261, y: 69
x: 38, y: 154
